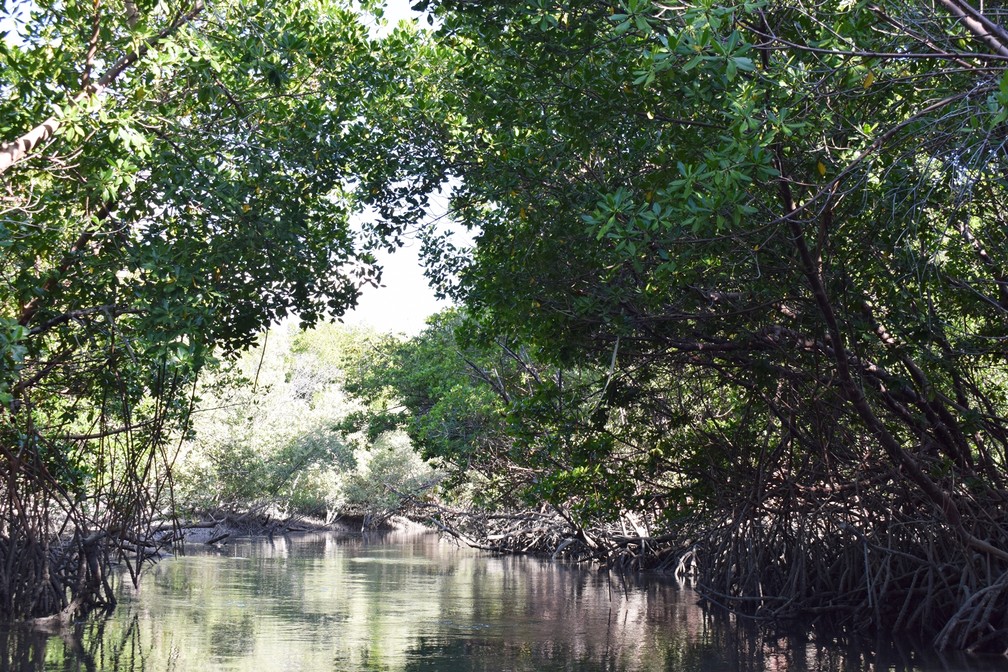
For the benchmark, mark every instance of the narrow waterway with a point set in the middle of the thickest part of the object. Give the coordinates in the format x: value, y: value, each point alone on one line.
x: 405, y: 602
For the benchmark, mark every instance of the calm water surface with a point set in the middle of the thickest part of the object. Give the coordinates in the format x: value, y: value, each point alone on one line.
x: 406, y: 602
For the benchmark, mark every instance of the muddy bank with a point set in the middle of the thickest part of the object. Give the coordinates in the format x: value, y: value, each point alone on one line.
x: 219, y: 527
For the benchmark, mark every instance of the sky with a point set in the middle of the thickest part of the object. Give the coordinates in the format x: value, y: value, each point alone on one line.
x: 405, y: 300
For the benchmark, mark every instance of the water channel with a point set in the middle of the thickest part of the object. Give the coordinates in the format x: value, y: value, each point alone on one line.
x: 408, y: 602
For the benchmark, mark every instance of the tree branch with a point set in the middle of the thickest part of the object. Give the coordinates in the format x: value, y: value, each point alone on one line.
x: 29, y: 309
x: 16, y: 150
x: 855, y: 395
x: 985, y: 30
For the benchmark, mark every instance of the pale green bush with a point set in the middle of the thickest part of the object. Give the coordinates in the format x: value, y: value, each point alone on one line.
x: 271, y: 430
x: 389, y: 474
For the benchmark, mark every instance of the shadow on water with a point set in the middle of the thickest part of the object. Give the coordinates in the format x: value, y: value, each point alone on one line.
x: 411, y: 603
x: 722, y: 645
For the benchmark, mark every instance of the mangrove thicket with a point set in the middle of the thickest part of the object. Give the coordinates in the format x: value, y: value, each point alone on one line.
x: 735, y: 304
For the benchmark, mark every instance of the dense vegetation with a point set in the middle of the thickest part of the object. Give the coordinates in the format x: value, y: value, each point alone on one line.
x: 738, y: 284
x: 176, y: 177
x: 747, y: 264
x: 275, y: 432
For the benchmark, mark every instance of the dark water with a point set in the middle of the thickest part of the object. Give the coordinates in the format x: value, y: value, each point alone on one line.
x: 411, y: 602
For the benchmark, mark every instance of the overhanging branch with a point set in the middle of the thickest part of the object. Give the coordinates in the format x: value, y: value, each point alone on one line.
x: 985, y: 30
x: 15, y: 150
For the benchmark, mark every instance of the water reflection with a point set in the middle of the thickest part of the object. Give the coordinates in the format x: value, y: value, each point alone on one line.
x: 410, y: 602
x: 25, y: 650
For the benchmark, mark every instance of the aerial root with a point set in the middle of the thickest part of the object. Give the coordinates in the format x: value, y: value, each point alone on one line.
x: 882, y: 562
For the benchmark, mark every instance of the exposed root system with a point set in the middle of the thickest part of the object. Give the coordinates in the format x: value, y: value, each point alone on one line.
x: 867, y: 557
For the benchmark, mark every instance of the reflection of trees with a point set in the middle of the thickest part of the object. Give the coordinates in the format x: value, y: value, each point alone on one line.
x: 22, y: 650
x: 486, y: 655
x: 423, y: 606
x: 100, y: 643
x: 717, y: 643
x: 560, y: 613
x: 231, y: 639
x: 110, y: 644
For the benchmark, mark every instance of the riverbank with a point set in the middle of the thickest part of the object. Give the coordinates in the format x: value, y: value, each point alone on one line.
x: 213, y: 528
